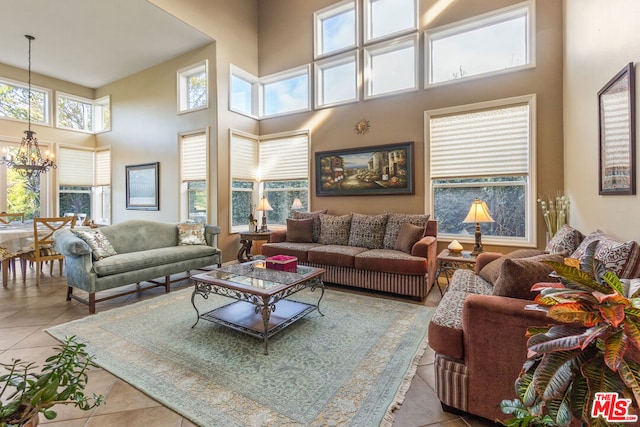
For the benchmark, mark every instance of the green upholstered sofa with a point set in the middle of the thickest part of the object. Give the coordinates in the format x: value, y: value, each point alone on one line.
x: 146, y: 250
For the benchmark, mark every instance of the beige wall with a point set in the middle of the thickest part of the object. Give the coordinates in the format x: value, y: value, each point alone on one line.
x: 234, y: 27
x: 600, y: 39
x: 286, y: 41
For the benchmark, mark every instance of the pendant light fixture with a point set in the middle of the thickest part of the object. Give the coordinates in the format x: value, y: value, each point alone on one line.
x: 28, y: 161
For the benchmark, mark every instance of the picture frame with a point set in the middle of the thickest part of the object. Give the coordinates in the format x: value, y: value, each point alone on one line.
x: 374, y: 170
x: 143, y: 186
x: 617, y: 134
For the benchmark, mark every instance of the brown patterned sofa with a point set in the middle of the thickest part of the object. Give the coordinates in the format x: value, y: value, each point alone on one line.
x: 393, y: 252
x: 478, y: 329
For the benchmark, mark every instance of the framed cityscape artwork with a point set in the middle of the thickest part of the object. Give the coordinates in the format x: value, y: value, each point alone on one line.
x: 382, y: 169
x: 617, y: 128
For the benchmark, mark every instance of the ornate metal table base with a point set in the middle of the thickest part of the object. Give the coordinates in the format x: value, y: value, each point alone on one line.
x: 255, y: 315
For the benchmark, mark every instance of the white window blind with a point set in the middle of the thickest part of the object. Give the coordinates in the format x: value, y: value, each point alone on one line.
x: 103, y: 167
x: 193, y: 163
x: 285, y: 158
x: 480, y: 143
x: 615, y: 106
x: 244, y: 157
x: 75, y: 167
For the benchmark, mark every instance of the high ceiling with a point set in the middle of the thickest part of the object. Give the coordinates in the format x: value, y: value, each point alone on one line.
x: 92, y: 42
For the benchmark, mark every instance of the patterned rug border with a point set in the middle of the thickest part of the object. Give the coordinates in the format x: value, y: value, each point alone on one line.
x: 58, y: 332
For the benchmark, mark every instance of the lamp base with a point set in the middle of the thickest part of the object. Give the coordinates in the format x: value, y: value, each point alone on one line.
x: 263, y: 227
x: 477, y: 249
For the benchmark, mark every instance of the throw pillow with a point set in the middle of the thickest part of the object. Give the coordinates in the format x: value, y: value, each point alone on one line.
x: 408, y: 236
x: 334, y: 229
x: 517, y: 276
x: 98, y: 242
x: 315, y: 215
x: 299, y: 230
x: 394, y: 223
x: 566, y: 241
x: 191, y: 233
x: 491, y: 271
x: 622, y: 258
x: 367, y: 231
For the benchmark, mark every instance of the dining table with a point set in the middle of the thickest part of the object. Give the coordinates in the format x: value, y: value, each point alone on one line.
x: 15, y: 239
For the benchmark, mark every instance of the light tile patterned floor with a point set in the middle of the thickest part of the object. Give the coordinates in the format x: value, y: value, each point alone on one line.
x: 26, y: 311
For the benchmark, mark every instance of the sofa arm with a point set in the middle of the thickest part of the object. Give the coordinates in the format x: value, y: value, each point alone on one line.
x: 210, y: 234
x: 68, y: 244
x: 495, y: 347
x: 485, y: 258
x: 278, y: 236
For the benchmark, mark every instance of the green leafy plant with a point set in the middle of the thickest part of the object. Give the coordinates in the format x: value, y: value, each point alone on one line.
x: 594, y: 347
x: 61, y: 380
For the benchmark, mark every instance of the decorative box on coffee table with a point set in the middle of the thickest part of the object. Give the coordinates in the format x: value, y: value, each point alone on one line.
x: 282, y: 263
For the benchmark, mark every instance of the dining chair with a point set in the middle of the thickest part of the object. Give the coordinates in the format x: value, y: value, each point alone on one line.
x: 8, y: 218
x: 43, y: 229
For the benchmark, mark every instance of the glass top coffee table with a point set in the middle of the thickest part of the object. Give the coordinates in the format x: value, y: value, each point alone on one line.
x: 262, y: 307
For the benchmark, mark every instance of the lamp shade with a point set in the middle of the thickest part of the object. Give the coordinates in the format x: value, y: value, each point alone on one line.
x: 479, y: 212
x: 264, y: 205
x: 297, y: 204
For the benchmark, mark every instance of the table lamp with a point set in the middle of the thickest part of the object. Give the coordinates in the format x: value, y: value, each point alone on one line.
x: 262, y: 207
x: 297, y: 205
x: 479, y: 212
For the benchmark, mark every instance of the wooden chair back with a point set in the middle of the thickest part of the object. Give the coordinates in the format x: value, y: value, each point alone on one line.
x: 6, y: 218
x: 43, y: 229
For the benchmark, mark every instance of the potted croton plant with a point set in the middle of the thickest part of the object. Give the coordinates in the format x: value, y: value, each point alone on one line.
x: 585, y: 369
x: 61, y: 380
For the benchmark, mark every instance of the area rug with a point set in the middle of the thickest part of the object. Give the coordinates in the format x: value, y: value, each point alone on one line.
x: 351, y: 367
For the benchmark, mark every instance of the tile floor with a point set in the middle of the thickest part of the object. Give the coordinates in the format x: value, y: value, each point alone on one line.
x: 26, y: 311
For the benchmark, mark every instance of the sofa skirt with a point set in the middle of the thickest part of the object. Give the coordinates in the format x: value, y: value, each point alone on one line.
x: 402, y: 284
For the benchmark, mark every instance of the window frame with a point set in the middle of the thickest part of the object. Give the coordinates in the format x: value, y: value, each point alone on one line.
x: 237, y: 72
x: 47, y: 102
x: 182, y: 77
x: 184, y: 183
x: 75, y: 98
x: 530, y: 238
x: 335, y: 61
x: 368, y: 24
x: 281, y: 77
x: 482, y: 21
x: 99, y: 106
x: 384, y: 48
x: 102, y: 190
x: 329, y: 12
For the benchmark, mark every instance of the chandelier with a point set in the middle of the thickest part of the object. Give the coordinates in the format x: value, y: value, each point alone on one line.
x: 29, y: 161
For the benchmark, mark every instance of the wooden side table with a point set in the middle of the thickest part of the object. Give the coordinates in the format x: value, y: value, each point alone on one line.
x: 448, y: 262
x: 247, y: 239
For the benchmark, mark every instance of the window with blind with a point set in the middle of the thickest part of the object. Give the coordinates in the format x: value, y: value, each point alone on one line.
x: 75, y: 181
x: 276, y: 166
x: 102, y: 187
x: 193, y: 177
x: 484, y: 151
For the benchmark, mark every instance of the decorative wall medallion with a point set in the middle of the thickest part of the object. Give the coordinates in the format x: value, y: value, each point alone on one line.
x: 362, y: 126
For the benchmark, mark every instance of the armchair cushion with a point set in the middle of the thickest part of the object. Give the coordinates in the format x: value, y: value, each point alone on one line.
x: 518, y: 275
x: 491, y: 271
x: 622, y: 258
x: 566, y: 241
x: 98, y: 242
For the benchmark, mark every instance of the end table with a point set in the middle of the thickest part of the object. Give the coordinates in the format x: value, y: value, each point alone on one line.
x: 246, y: 239
x: 449, y: 261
